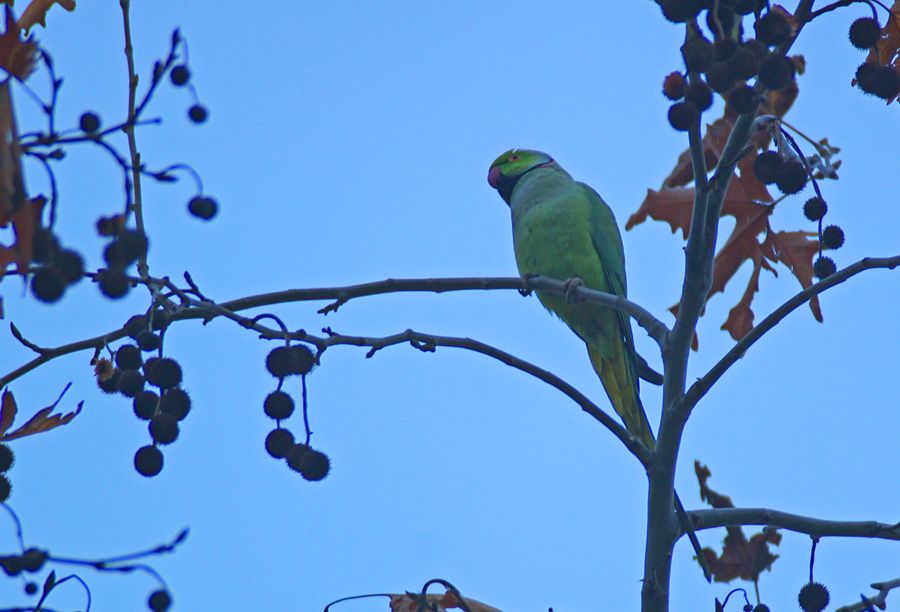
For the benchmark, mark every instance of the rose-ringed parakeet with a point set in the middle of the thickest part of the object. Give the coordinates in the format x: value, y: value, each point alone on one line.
x: 563, y: 229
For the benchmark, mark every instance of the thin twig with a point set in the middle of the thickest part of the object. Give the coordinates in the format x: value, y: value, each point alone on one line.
x: 879, y: 601
x: 703, y: 385
x: 137, y: 207
x: 820, y: 528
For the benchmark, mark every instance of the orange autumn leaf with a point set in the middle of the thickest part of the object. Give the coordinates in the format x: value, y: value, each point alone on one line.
x: 36, y: 12
x: 43, y: 420
x: 740, y: 558
x: 409, y: 602
x: 17, y: 55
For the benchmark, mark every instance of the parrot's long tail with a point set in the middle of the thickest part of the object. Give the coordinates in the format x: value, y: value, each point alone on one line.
x: 618, y: 378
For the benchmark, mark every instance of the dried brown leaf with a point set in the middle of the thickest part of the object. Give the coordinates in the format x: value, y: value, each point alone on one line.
x: 36, y: 12
x: 43, y: 420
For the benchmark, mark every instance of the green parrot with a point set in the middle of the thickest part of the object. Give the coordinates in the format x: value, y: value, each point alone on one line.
x: 563, y: 229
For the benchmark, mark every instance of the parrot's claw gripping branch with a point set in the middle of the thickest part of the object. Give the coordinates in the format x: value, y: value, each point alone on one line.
x: 570, y: 290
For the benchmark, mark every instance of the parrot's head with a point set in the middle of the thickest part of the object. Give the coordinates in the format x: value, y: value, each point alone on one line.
x: 507, y: 169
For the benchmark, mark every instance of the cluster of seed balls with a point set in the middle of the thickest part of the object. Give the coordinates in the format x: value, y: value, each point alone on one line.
x: 282, y: 362
x: 725, y: 64
x: 130, y: 375
x: 789, y: 174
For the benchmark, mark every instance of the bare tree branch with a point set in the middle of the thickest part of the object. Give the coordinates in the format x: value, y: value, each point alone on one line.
x: 819, y: 528
x: 208, y: 310
x: 703, y: 385
x: 880, y: 600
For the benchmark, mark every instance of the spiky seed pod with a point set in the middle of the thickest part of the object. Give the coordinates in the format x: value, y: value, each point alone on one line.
x: 679, y: 11
x: 743, y: 64
x: 773, y: 28
x: 776, y: 71
x: 741, y: 99
x: 315, y: 465
x: 161, y: 319
x: 683, y: 115
x: 5, y: 488
x: 864, y: 33
x: 813, y: 597
x: 7, y: 458
x: 279, y: 443
x: 767, y: 166
x: 175, y: 402
x: 145, y: 405
x: 697, y: 53
x: 748, y: 607
x: 877, y: 80
x: 165, y: 373
x: 159, y: 601
x: 198, y: 113
x: 130, y: 383
x: 720, y: 76
x: 815, y: 208
x: 674, y: 86
x: 148, y: 341
x: 278, y: 405
x: 148, y: 461
x: 70, y: 264
x: 163, y: 428
x: 44, y: 245
x: 31, y: 588
x: 699, y: 94
x: 48, y: 284
x: 304, y: 357
x: 832, y: 237
x: 128, y: 357
x: 761, y: 608
x: 824, y: 267
x: 295, y: 456
x: 792, y: 177
x: 180, y: 75
x: 113, y: 283
x: 89, y: 122
x: 127, y: 247
x: 135, y: 325
x: 203, y: 207
x: 110, y: 384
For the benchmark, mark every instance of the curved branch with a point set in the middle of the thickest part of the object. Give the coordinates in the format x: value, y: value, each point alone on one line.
x: 703, y: 385
x: 819, y: 528
x: 341, y: 295
x: 210, y: 310
x: 428, y: 343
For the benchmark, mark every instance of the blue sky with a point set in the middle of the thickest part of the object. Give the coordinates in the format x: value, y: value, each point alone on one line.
x: 350, y: 142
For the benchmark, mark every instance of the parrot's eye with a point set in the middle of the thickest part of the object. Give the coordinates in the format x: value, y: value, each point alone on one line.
x: 513, y: 158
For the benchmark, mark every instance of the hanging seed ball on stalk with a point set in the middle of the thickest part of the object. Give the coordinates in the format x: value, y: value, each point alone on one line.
x: 864, y: 33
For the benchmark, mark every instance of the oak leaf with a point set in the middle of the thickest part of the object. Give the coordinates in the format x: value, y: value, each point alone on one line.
x: 43, y: 420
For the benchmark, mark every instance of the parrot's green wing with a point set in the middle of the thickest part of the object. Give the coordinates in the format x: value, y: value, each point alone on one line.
x: 618, y: 357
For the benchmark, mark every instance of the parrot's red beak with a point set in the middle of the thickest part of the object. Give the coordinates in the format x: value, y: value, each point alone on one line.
x: 494, y: 177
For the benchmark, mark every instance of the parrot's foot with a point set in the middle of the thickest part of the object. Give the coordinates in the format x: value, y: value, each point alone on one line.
x: 525, y: 291
x: 570, y: 289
